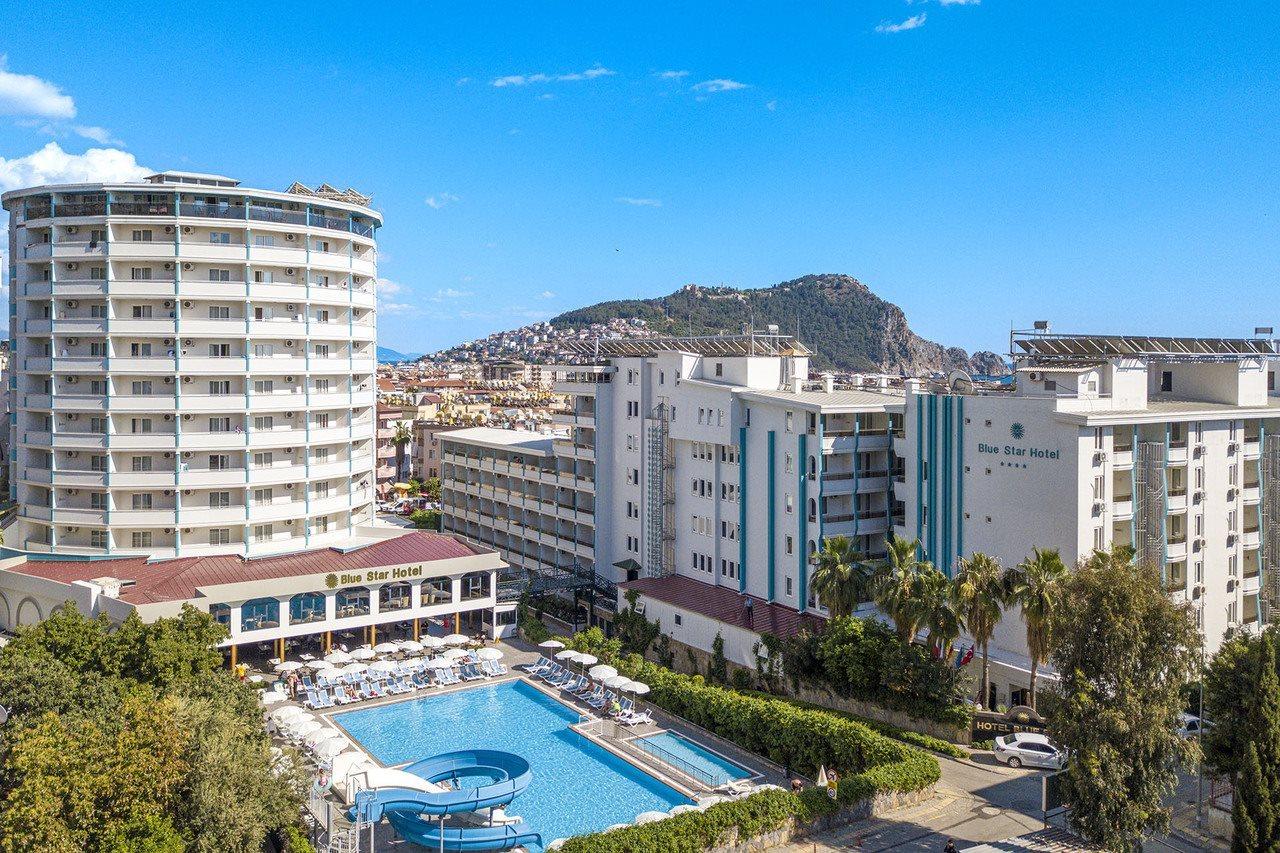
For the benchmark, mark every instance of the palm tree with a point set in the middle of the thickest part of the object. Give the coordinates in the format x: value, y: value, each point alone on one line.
x: 981, y: 595
x: 403, y: 436
x: 937, y: 608
x: 841, y: 579
x: 894, y: 585
x: 1036, y: 586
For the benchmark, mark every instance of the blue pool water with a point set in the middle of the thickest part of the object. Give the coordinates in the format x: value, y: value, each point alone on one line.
x: 577, y: 787
x: 692, y: 758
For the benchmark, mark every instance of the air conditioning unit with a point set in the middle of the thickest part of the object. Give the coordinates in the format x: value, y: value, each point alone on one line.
x: 186, y: 229
x: 288, y: 343
x: 72, y: 380
x: 1232, y: 447
x: 72, y: 454
x: 289, y: 415
x: 1197, y: 543
x: 289, y: 522
x: 168, y: 303
x: 186, y: 342
x: 168, y: 380
x: 288, y: 450
x: 73, y: 491
x: 288, y: 379
x: 168, y: 341
x: 186, y: 530
x: 186, y: 417
x: 168, y: 265
x: 291, y: 237
x: 186, y: 303
x: 1231, y: 495
x: 72, y: 229
x: 72, y: 341
x: 168, y: 455
x: 73, y: 529
x: 73, y: 265
x: 186, y: 380
x: 1033, y: 376
x: 168, y: 229
x: 73, y: 303
x: 186, y: 491
x: 168, y: 492
x: 289, y: 486
x: 1231, y: 540
x: 290, y: 307
x: 188, y: 267
x: 186, y: 454
x: 168, y: 417
x: 168, y: 530
x: 289, y: 270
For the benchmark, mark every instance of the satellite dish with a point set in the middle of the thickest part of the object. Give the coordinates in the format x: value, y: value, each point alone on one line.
x: 959, y: 380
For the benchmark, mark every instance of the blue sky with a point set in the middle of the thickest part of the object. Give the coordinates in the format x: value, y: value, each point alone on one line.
x: 1109, y: 166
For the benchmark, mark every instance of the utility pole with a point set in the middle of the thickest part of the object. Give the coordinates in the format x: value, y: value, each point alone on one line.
x: 1200, y: 733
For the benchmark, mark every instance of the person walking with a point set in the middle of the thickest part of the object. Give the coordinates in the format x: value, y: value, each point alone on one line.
x: 951, y: 846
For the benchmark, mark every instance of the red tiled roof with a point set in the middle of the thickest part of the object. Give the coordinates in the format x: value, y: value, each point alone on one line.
x: 177, y: 579
x: 725, y: 604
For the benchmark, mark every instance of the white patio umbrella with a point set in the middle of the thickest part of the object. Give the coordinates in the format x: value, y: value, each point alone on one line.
x: 586, y: 659
x: 288, y: 666
x: 363, y: 654
x: 681, y: 809
x: 410, y: 645
x: 315, y: 738
x: 346, y: 762
x: 551, y: 644
x: 270, y: 697
x: 337, y: 657
x: 567, y: 654
x: 384, y: 666
x: 456, y: 640
x: 602, y: 671
x: 636, y: 687
x: 386, y: 648
x: 489, y: 653
x: 355, y: 668
x: 429, y: 642
x: 613, y: 682
x: 330, y: 748
x: 304, y: 728
x: 288, y: 712
x: 651, y: 817
x: 454, y: 654
x: 707, y: 802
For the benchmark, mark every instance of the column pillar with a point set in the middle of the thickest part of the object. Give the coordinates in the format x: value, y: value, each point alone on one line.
x: 233, y: 657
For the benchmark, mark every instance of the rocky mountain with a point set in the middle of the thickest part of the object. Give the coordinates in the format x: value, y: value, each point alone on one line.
x: 847, y: 326
x: 386, y: 355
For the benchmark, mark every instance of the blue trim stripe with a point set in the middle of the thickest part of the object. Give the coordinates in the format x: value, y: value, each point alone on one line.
x: 773, y: 503
x: 742, y: 509
x: 802, y: 541
x: 959, y: 479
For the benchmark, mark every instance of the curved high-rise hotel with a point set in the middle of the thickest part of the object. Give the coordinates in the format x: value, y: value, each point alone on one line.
x: 193, y: 367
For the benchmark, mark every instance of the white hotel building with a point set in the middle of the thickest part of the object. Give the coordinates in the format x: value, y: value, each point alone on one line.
x: 192, y: 389
x: 704, y: 472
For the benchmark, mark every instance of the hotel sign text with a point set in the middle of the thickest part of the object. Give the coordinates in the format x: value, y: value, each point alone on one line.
x: 1025, y: 452
x: 375, y: 575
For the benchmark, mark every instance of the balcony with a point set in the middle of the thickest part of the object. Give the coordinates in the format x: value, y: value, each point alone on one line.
x: 1122, y: 507
x: 1176, y: 547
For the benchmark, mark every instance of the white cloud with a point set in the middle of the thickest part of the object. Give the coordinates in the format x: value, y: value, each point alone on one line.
x: 97, y: 134
x: 462, y: 81
x: 671, y: 75
x: 449, y: 293
x: 439, y: 200
x: 771, y: 106
x: 720, y: 84
x: 52, y: 165
x: 546, y: 96
x: 640, y: 202
x: 960, y: 2
x: 547, y: 294
x: 911, y: 23
x: 392, y: 296
x: 530, y: 79
x: 28, y: 95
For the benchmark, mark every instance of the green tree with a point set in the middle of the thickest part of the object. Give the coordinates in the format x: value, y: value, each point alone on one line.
x: 1256, y: 811
x: 1035, y: 585
x: 401, y: 438
x: 980, y: 594
x: 1231, y: 688
x: 841, y: 579
x: 937, y: 608
x: 431, y: 488
x: 894, y: 584
x: 426, y: 519
x: 1125, y: 651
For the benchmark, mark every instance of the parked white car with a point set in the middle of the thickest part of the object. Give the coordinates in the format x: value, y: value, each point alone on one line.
x: 1030, y: 750
x: 1192, y: 726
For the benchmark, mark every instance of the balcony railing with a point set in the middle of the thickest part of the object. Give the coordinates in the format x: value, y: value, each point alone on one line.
x: 142, y: 208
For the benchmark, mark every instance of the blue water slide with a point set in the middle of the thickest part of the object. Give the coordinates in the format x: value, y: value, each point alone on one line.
x: 471, y: 838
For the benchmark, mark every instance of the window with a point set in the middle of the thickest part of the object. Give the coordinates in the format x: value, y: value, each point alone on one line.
x: 219, y: 424
x: 322, y: 421
x: 1166, y: 380
x: 262, y: 459
x: 98, y: 539
x: 631, y: 443
x: 264, y: 386
x: 633, y: 408
x: 788, y: 463
x: 678, y: 619
x: 437, y: 591
x: 142, y: 501
x: 141, y: 538
x: 633, y: 509
x: 220, y: 387
x: 219, y: 312
x: 263, y: 240
x: 97, y: 500
x: 98, y: 273
x: 98, y: 349
x: 264, y: 422
x: 790, y: 504
x: 141, y: 463
x: 142, y: 387
x: 789, y: 593
x: 98, y: 387
x: 219, y: 275
x: 719, y: 368
x: 219, y: 462
x: 322, y: 315
x: 633, y: 476
x: 322, y: 350
x: 219, y: 500
x: 322, y: 386
x: 263, y: 496
x: 790, y: 421
x: 789, y: 545
x: 221, y: 237
x: 321, y: 245
x: 729, y: 454
x: 262, y: 533
x: 475, y: 585
x: 1099, y: 541
x: 729, y: 492
x: 140, y: 426
x: 631, y: 377
x: 98, y: 312
x: 140, y: 350
x: 219, y: 350
x: 263, y: 350
x: 140, y: 273
x: 97, y: 463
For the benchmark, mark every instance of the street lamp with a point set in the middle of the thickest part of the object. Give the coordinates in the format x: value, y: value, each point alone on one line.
x: 1197, y: 592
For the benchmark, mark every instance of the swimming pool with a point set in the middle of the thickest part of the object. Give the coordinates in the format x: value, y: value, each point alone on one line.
x: 578, y: 787
x: 692, y: 758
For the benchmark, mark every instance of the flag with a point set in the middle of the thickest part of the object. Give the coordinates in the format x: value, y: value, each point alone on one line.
x: 966, y: 657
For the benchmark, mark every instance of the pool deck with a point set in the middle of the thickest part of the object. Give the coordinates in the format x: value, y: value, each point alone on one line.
x: 594, y: 726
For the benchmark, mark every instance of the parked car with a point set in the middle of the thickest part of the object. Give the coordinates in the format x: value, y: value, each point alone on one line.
x: 1031, y: 750
x: 1192, y: 726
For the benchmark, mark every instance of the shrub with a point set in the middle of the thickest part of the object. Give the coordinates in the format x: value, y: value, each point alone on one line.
x: 530, y: 625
